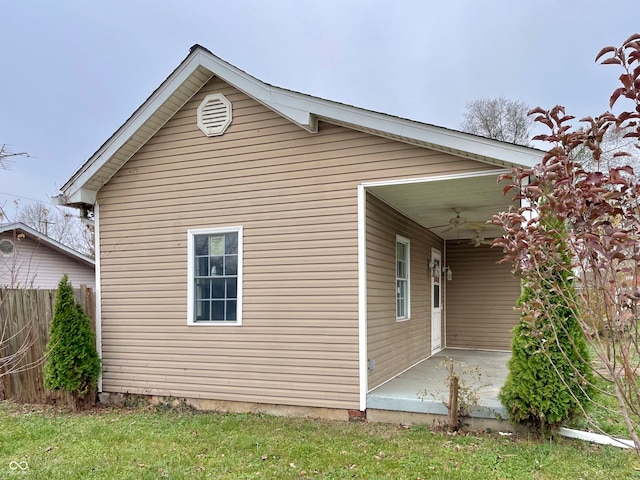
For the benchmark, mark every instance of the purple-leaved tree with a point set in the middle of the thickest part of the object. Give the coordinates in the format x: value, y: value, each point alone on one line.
x: 596, y: 238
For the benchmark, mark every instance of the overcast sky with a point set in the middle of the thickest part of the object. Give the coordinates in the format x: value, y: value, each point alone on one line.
x: 73, y: 71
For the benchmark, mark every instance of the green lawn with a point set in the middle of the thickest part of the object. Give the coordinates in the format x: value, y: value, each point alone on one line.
x: 148, y: 443
x: 603, y: 413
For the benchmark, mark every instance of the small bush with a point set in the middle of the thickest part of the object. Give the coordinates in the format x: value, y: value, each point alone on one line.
x: 72, y: 361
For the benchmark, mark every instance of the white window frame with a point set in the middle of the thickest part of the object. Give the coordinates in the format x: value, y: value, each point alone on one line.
x: 191, y: 274
x: 407, y: 300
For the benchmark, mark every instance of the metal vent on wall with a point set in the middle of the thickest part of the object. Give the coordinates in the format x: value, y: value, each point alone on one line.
x: 214, y: 114
x: 6, y: 247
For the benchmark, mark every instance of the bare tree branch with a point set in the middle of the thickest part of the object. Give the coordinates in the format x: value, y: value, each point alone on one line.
x: 59, y: 224
x: 498, y: 118
x: 6, y: 154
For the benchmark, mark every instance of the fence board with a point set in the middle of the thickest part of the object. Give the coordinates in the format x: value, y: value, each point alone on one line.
x: 25, y: 316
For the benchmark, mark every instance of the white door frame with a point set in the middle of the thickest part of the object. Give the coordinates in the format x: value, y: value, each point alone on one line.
x: 435, y: 273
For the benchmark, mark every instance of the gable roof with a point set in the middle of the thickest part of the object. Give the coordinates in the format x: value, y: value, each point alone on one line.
x: 304, y: 110
x: 21, y: 228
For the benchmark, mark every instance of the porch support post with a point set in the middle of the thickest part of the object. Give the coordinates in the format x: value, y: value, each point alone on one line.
x: 362, y: 296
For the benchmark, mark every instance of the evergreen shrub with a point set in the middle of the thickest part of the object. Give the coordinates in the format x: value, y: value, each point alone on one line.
x: 550, y: 376
x: 72, y: 362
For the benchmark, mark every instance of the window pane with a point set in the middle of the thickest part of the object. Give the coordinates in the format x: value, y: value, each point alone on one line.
x: 231, y: 265
x: 400, y: 251
x: 402, y: 286
x: 201, y: 244
x: 216, y: 266
x: 231, y: 310
x: 232, y: 288
x: 231, y: 243
x: 217, y: 288
x: 402, y: 270
x: 202, y: 266
x: 203, y: 289
x: 436, y: 296
x: 401, y: 298
x: 202, y: 310
x: 217, y: 310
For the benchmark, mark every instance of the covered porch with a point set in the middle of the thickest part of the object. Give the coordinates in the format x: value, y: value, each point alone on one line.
x: 423, y: 388
x: 461, y: 299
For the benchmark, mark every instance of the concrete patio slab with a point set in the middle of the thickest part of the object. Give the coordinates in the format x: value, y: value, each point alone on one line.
x: 423, y: 388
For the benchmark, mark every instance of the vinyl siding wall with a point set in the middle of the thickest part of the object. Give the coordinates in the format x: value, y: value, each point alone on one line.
x: 393, y: 345
x: 480, y: 298
x: 34, y: 265
x: 295, y: 195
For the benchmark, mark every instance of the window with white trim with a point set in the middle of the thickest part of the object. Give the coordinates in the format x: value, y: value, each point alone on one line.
x: 215, y: 276
x: 402, y: 278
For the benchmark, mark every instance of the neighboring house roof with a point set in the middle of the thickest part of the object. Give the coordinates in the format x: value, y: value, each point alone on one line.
x: 21, y: 228
x: 304, y: 110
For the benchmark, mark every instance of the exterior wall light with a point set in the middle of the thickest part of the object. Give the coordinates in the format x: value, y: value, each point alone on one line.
x: 448, y: 273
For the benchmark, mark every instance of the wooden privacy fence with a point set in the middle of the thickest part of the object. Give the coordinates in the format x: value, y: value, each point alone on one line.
x: 25, y: 316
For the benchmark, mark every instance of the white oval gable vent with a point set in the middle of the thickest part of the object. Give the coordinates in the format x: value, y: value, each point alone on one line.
x: 214, y: 114
x: 6, y: 247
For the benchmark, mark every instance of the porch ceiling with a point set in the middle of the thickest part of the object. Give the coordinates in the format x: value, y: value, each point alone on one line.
x: 432, y: 204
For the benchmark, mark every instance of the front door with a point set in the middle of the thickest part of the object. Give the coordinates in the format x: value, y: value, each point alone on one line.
x: 436, y: 300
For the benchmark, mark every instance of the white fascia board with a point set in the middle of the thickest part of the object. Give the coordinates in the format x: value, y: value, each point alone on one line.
x: 450, y: 139
x: 304, y: 110
x: 436, y: 178
x: 139, y: 118
x: 288, y: 104
x: 81, y: 196
x: 299, y: 117
x: 284, y: 102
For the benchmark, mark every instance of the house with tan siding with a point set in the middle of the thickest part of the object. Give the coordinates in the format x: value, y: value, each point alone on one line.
x: 258, y: 248
x: 30, y: 259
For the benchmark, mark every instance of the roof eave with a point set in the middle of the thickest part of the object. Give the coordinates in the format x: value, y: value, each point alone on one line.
x: 50, y: 242
x: 437, y: 138
x: 76, y: 187
x: 303, y: 110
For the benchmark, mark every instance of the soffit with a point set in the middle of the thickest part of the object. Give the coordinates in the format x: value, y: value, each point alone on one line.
x: 433, y: 203
x: 161, y: 116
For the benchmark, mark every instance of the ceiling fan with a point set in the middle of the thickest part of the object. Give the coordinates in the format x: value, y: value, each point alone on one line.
x: 458, y: 222
x: 478, y: 239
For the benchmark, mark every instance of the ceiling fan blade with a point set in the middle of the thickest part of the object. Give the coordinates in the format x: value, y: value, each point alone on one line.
x: 475, y: 226
x: 478, y: 241
x: 459, y: 222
